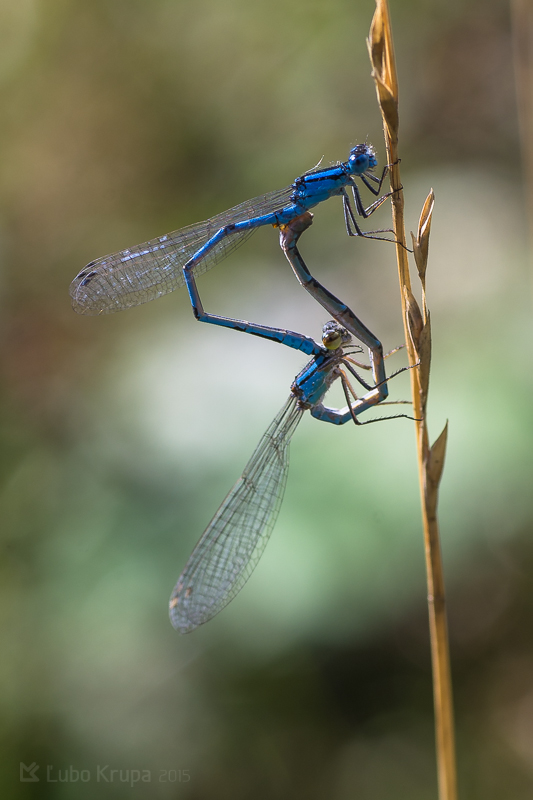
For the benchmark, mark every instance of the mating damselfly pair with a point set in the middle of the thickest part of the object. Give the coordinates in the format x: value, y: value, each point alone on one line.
x: 234, y: 540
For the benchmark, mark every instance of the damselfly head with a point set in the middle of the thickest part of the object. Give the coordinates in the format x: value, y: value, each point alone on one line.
x: 362, y: 157
x: 334, y: 335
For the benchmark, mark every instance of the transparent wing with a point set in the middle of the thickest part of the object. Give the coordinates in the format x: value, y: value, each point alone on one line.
x: 149, y: 270
x: 234, y: 540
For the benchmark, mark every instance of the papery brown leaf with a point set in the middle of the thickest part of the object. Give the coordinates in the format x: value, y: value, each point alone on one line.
x: 424, y: 355
x: 421, y: 243
x: 435, y: 459
x: 389, y: 107
x: 382, y: 58
x: 376, y: 42
x: 414, y: 318
x: 426, y: 214
x: 419, y: 259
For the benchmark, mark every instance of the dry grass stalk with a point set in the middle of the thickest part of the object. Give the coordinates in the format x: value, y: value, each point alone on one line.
x: 418, y: 338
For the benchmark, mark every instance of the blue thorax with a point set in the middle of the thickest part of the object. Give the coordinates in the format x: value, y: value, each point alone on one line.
x: 312, y: 383
x: 318, y: 185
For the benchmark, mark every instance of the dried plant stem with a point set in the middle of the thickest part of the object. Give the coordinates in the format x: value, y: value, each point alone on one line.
x: 418, y: 339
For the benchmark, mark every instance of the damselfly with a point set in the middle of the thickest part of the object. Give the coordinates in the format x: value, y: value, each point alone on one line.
x: 234, y: 540
x: 152, y: 269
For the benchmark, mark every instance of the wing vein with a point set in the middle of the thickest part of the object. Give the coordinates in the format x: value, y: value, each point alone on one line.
x: 149, y: 270
x: 234, y: 540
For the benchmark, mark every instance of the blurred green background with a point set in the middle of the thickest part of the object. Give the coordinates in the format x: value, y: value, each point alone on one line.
x: 120, y: 435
